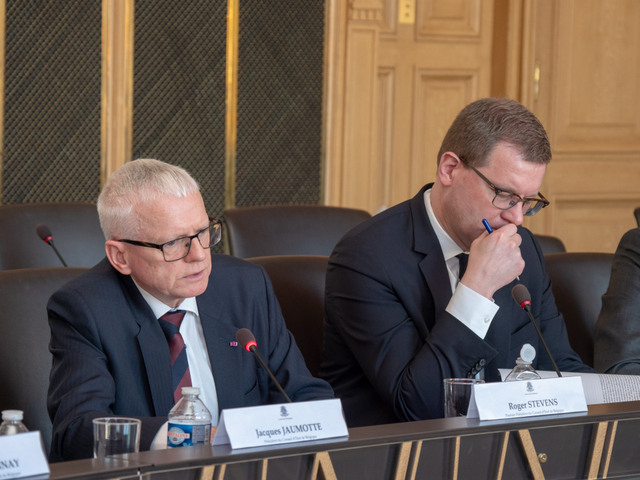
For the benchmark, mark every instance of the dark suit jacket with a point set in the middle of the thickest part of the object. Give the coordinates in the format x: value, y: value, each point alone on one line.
x: 110, y: 356
x: 389, y: 342
x: 616, y: 345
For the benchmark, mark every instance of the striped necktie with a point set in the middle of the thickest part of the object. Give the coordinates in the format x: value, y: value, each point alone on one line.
x: 170, y: 323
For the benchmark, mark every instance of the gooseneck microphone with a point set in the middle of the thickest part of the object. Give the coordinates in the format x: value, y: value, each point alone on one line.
x: 45, y: 234
x: 523, y: 298
x: 248, y: 342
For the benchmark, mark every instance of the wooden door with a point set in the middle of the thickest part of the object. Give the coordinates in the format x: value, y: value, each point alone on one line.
x: 581, y: 74
x: 398, y: 73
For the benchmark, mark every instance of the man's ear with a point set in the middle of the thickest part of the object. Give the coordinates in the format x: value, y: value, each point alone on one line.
x: 116, y: 255
x: 448, y: 167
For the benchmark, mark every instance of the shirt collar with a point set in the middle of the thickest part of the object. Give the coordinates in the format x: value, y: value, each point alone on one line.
x: 159, y: 308
x: 450, y: 249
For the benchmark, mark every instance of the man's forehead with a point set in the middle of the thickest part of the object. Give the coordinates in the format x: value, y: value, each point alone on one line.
x: 178, y: 215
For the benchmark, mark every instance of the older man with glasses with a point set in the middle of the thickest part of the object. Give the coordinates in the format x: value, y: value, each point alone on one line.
x: 422, y: 291
x: 159, y: 313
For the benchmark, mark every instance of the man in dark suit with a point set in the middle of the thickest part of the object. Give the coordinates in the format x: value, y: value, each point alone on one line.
x: 616, y: 347
x: 110, y: 354
x: 400, y: 317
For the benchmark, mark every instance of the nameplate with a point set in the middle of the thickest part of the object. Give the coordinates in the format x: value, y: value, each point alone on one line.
x: 281, y: 423
x: 21, y: 455
x: 527, y: 398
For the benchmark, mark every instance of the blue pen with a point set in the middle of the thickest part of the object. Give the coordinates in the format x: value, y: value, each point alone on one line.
x: 490, y: 230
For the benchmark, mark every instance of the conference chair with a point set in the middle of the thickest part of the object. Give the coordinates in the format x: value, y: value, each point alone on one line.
x: 25, y: 361
x: 287, y: 229
x: 550, y: 244
x: 74, y: 226
x: 579, y: 280
x: 298, y: 282
x: 636, y: 213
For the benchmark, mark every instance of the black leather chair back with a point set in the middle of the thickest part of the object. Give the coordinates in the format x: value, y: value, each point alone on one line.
x: 636, y: 214
x: 287, y: 229
x: 75, y: 228
x: 578, y: 281
x: 25, y: 361
x: 550, y: 244
x: 298, y: 282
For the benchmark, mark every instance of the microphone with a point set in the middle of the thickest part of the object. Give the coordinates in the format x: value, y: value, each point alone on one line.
x: 248, y: 342
x: 523, y: 298
x: 45, y: 234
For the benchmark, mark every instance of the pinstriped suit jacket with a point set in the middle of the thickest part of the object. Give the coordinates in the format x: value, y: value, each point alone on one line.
x: 110, y: 356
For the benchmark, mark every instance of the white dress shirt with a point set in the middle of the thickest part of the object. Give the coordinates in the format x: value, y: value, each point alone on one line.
x: 197, y: 354
x: 468, y: 306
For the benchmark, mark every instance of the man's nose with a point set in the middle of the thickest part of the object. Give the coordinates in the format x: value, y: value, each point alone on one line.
x: 514, y: 214
x: 196, y: 251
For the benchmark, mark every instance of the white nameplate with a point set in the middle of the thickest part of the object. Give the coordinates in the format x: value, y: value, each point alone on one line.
x: 281, y: 423
x: 527, y: 398
x: 21, y: 455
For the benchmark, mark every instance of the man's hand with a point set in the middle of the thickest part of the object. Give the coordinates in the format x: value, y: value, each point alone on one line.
x: 494, y: 261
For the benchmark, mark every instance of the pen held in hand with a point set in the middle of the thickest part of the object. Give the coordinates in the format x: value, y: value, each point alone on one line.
x: 490, y: 230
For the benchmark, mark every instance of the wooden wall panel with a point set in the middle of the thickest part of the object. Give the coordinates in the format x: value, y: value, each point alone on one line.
x: 594, y: 223
x: 382, y: 186
x: 588, y: 54
x: 591, y: 209
x: 597, y: 65
x: 359, y: 120
x: 431, y: 57
x: 449, y: 19
x: 389, y: 17
x: 440, y: 95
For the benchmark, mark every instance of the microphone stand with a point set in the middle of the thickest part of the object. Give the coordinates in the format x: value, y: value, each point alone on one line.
x: 273, y: 378
x: 50, y: 242
x: 527, y: 308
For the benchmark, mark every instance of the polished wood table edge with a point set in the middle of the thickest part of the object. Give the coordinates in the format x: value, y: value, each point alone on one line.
x: 359, y: 437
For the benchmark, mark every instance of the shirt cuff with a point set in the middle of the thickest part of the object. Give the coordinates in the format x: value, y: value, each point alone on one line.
x: 472, y: 309
x: 160, y: 440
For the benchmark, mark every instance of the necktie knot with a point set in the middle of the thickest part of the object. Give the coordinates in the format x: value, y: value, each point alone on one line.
x: 170, y: 322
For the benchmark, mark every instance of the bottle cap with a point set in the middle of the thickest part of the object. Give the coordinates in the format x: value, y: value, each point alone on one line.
x: 12, y: 415
x: 527, y: 353
x: 190, y: 390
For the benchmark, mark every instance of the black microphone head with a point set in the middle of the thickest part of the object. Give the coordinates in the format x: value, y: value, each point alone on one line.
x: 246, y: 339
x: 44, y: 232
x: 521, y: 295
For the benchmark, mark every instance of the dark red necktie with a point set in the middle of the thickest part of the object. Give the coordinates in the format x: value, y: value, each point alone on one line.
x: 170, y: 323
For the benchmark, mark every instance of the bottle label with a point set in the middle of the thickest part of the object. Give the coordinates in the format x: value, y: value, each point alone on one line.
x: 186, y: 435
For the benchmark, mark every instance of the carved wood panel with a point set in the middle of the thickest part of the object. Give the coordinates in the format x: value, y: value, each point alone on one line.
x: 588, y: 56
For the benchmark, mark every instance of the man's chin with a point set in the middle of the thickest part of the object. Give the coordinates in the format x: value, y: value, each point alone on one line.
x: 199, y: 290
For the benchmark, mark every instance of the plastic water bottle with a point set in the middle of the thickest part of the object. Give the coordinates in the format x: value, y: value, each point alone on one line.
x: 523, y: 369
x: 12, y: 422
x: 189, y: 421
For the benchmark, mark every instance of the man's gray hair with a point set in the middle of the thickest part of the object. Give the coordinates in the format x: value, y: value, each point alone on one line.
x: 138, y: 182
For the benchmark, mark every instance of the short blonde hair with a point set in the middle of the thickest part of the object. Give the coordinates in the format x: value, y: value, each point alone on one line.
x: 136, y: 182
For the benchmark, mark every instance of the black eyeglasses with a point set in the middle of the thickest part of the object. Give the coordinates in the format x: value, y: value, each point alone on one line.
x: 179, y: 248
x: 504, y: 200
